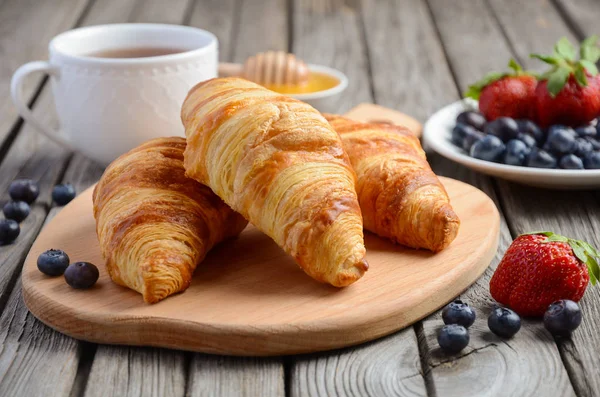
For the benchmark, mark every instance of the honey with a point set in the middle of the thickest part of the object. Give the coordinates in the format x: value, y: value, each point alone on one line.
x: 316, y: 82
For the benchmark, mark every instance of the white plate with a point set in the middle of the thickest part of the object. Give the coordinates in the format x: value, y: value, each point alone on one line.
x: 437, y: 133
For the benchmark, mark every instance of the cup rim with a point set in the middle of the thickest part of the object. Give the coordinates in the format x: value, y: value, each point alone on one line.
x: 341, y: 86
x: 154, y: 60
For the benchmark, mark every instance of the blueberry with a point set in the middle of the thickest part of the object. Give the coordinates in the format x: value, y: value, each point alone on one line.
x: 458, y: 312
x: 81, y: 275
x: 592, y: 161
x: 53, y: 262
x: 9, y: 231
x: 16, y: 210
x: 470, y: 139
x: 583, y: 147
x: 504, y: 128
x: 453, y: 338
x: 24, y: 190
x: 538, y: 158
x: 490, y: 148
x: 459, y: 132
x: 570, y: 162
x: 530, y: 128
x: 504, y: 322
x: 561, y: 139
x: 562, y: 317
x: 474, y: 119
x: 527, y: 139
x: 516, y: 152
x: 586, y: 130
x: 595, y: 142
x: 62, y: 194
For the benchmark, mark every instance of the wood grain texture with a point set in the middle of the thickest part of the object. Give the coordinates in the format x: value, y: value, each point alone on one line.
x: 522, y: 375
x: 530, y: 26
x: 410, y: 75
x: 218, y: 16
x: 256, y: 301
x: 386, y: 367
x: 26, y: 27
x: 329, y: 33
x: 136, y: 372
x: 219, y: 376
x: 582, y: 15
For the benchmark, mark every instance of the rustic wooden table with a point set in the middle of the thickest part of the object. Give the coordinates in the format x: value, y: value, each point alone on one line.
x: 411, y: 55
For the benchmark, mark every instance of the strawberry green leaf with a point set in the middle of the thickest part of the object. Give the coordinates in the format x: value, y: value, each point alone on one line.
x: 474, y: 90
x: 580, y: 76
x: 565, y: 49
x: 589, y: 66
x: 514, y: 65
x: 557, y: 80
x: 589, y: 50
x: 589, y: 249
x: 545, y: 58
x: 579, y: 251
x: 593, y: 270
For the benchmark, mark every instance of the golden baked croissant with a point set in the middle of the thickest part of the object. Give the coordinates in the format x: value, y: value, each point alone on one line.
x: 154, y: 224
x: 278, y: 162
x: 400, y: 196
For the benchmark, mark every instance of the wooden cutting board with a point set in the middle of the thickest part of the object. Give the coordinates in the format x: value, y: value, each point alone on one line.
x: 249, y: 298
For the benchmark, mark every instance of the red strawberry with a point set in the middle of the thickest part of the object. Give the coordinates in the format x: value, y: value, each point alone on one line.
x: 506, y: 94
x: 540, y: 268
x: 567, y: 94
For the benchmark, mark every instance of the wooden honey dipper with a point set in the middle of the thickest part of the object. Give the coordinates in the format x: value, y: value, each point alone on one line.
x: 269, y: 68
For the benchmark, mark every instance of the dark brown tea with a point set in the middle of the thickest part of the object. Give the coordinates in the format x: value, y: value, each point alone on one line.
x: 139, y: 52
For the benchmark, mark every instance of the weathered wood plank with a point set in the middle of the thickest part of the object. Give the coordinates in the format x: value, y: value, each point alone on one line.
x: 574, y: 215
x: 219, y: 17
x: 582, y: 15
x: 330, y: 33
x: 26, y: 27
x: 479, y: 375
x: 34, y: 359
x: 227, y: 376
x: 531, y: 26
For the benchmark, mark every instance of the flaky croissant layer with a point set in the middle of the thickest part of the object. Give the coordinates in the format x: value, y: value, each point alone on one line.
x: 277, y: 161
x: 154, y: 224
x: 400, y: 196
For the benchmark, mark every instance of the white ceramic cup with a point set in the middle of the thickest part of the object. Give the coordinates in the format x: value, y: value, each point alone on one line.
x: 107, y: 106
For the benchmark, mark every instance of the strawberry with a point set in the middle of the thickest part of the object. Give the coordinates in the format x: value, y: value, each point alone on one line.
x: 542, y: 267
x: 506, y: 94
x: 567, y: 94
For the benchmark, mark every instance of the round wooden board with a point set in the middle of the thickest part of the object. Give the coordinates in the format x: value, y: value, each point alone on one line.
x: 249, y: 298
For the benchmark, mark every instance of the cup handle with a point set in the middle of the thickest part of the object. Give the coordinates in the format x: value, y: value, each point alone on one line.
x: 16, y: 92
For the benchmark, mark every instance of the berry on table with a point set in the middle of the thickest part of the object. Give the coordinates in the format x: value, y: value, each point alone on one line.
x: 53, y: 262
x: 592, y: 161
x: 528, y: 127
x: 594, y: 142
x: 453, y: 338
x: 504, y: 322
x: 24, y: 190
x: 570, y: 162
x: 583, y: 147
x: 459, y: 132
x: 9, y: 231
x: 471, y: 118
x: 542, y: 267
x: 81, y: 275
x: 16, y: 210
x: 504, y: 128
x: 562, y: 317
x: 489, y: 148
x: 539, y: 158
x: 62, y: 194
x: 458, y: 312
x: 516, y: 152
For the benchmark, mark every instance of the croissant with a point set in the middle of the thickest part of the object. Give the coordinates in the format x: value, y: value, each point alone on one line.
x: 154, y: 224
x: 277, y: 161
x: 399, y: 195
